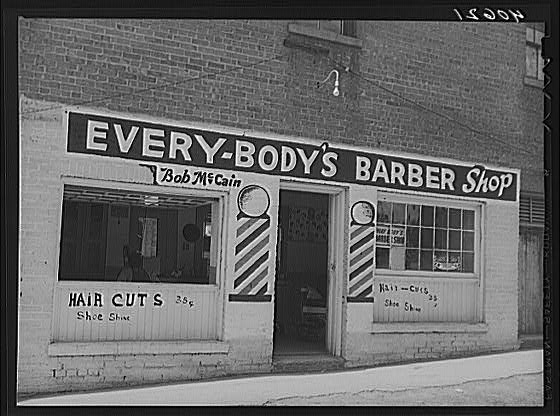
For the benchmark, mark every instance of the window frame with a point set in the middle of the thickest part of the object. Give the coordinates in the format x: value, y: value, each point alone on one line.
x: 221, y: 244
x: 407, y: 198
x: 534, y: 45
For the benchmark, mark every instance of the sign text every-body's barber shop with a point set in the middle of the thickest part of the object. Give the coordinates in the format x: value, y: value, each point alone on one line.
x: 139, y: 140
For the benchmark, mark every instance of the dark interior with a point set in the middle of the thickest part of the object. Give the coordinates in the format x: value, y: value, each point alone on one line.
x: 301, y: 274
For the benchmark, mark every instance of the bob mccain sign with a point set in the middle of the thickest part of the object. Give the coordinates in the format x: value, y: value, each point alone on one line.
x: 139, y: 140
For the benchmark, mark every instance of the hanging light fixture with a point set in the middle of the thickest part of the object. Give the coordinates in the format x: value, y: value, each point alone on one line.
x: 336, y: 91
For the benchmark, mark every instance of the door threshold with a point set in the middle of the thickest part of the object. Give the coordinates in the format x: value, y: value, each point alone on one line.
x: 306, y: 363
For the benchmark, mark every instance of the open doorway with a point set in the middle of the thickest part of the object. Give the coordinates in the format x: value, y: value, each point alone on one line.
x: 302, y: 298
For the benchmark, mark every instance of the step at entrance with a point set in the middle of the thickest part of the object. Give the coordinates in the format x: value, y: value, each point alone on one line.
x: 306, y: 363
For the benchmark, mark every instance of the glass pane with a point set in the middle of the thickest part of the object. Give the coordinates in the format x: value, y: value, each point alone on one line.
x: 397, y: 236
x: 413, y: 214
x: 454, y: 218
x: 314, y: 24
x: 412, y: 236
x: 384, y: 212
x: 530, y: 33
x: 468, y: 262
x: 397, y: 258
x: 382, y: 235
x: 468, y: 219
x: 440, y: 261
x: 427, y: 215
x: 468, y: 241
x: 540, y: 73
x: 454, y: 261
x: 411, y: 262
x: 531, y: 61
x: 331, y: 25
x: 398, y: 213
x: 427, y: 238
x: 454, y: 240
x: 349, y: 28
x: 538, y: 36
x: 441, y: 217
x: 426, y: 260
x: 441, y: 238
x: 382, y: 258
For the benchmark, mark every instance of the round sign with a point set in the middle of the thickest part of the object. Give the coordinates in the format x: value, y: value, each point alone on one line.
x: 253, y: 201
x: 363, y: 213
x: 191, y: 232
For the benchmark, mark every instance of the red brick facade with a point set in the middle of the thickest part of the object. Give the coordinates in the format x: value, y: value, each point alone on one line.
x: 472, y: 73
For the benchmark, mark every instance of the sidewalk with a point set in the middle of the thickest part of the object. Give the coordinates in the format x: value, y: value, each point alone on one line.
x: 267, y: 389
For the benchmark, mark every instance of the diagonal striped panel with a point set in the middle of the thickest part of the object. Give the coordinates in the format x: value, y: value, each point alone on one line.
x: 362, y: 254
x: 252, y: 255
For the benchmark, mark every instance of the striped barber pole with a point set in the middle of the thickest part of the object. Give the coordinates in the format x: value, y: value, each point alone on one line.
x: 360, y: 279
x: 252, y: 253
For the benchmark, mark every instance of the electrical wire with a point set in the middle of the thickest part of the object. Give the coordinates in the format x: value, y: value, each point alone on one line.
x: 169, y: 84
x: 277, y: 57
x: 445, y: 116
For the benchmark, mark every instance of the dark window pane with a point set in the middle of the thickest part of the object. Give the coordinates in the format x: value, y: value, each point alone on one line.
x: 441, y: 217
x: 413, y: 214
x: 382, y: 258
x: 411, y: 262
x: 426, y: 260
x: 454, y: 261
x: 454, y: 240
x: 384, y: 212
x: 427, y: 215
x: 427, y: 240
x: 440, y: 261
x: 454, y: 218
x: 468, y: 240
x: 349, y: 28
x: 441, y: 238
x: 412, y: 236
x: 468, y: 262
x: 531, y: 61
x: 398, y: 213
x: 468, y: 219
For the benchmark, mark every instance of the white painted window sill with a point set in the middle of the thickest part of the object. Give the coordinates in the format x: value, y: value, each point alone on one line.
x: 324, y: 35
x: 59, y: 349
x: 539, y: 83
x: 428, y: 327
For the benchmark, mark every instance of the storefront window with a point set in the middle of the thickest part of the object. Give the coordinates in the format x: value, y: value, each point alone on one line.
x: 427, y: 237
x: 112, y: 235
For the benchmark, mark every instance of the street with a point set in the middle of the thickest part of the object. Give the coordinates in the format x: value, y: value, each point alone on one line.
x: 508, y: 379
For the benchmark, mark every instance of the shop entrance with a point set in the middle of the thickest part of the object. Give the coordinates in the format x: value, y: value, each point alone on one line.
x: 304, y: 315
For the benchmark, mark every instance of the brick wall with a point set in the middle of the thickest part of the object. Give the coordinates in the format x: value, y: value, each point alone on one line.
x: 247, y: 327
x: 471, y: 72
x: 499, y: 331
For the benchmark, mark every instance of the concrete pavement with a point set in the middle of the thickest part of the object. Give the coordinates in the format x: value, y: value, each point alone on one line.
x: 260, y: 390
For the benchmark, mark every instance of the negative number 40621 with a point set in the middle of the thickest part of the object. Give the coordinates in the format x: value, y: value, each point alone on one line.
x: 490, y: 14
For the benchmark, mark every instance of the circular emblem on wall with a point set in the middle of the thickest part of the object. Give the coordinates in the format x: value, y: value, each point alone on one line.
x: 363, y: 213
x: 191, y: 232
x: 253, y: 201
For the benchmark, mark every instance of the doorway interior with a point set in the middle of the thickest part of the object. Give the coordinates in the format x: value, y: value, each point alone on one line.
x: 302, y: 298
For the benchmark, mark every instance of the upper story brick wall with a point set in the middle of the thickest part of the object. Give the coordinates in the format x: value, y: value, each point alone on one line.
x: 472, y: 72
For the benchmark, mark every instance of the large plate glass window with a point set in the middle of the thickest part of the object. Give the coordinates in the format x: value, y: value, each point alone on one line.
x: 427, y: 259
x: 431, y: 237
x: 130, y: 236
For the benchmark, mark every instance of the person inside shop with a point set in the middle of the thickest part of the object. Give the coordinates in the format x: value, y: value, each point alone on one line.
x: 132, y: 270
